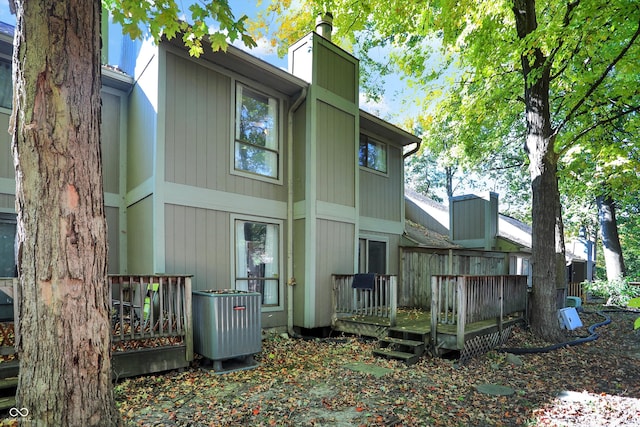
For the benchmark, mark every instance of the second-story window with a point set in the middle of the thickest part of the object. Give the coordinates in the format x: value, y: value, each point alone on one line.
x: 256, y: 135
x: 373, y: 154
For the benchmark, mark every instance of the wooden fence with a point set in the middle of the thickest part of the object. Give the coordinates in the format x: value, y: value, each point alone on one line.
x: 380, y: 301
x: 418, y: 265
x: 461, y: 300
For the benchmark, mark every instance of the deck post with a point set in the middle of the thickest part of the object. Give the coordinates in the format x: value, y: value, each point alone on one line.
x: 393, y: 301
x: 435, y: 309
x: 188, y: 332
x: 461, y: 288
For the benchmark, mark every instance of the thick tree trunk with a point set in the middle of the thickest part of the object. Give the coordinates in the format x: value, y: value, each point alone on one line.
x: 63, y: 309
x: 547, y: 246
x: 612, y: 249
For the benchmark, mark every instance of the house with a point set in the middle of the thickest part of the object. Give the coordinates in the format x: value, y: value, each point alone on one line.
x: 241, y: 174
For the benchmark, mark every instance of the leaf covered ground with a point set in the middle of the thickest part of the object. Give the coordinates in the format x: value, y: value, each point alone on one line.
x: 337, y: 382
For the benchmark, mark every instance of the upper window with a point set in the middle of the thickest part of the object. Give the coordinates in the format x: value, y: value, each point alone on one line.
x: 373, y: 154
x: 257, y: 259
x: 256, y: 135
x: 7, y: 245
x: 6, y: 83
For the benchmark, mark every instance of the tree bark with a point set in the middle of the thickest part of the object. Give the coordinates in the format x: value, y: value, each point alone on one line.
x: 63, y: 308
x: 612, y: 249
x: 546, y: 220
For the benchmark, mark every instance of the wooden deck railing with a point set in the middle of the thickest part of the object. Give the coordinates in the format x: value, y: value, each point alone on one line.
x: 460, y: 300
x: 147, y: 307
x: 381, y: 301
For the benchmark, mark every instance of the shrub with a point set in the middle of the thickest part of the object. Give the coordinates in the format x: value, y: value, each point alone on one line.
x: 616, y: 292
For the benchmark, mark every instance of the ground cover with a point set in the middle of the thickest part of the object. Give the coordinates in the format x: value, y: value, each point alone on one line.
x: 337, y: 382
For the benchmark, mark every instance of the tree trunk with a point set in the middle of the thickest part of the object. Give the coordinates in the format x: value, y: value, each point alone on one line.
x: 546, y: 208
x: 63, y: 308
x: 612, y: 249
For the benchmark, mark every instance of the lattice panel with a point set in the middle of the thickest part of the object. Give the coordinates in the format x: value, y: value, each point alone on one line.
x: 483, y: 343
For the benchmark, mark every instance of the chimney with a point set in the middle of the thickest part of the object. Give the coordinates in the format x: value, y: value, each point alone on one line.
x: 324, y: 25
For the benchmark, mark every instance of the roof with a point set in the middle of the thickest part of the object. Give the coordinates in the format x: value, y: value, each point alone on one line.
x: 420, y: 235
x: 387, y: 130
x: 509, y: 228
x: 254, y: 68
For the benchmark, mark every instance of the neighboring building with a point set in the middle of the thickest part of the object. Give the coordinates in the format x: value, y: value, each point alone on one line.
x: 242, y: 174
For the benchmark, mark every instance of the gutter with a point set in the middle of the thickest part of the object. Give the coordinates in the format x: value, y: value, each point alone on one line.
x: 291, y: 282
x: 413, y: 150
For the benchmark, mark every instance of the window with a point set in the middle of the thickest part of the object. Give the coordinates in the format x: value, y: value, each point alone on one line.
x: 256, y: 133
x: 7, y: 245
x: 372, y: 256
x: 257, y: 259
x: 6, y: 83
x: 373, y: 154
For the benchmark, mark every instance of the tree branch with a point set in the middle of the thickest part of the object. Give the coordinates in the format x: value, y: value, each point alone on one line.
x: 598, y: 82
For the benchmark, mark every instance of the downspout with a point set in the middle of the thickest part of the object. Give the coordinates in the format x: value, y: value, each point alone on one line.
x: 292, y: 280
x: 412, y: 151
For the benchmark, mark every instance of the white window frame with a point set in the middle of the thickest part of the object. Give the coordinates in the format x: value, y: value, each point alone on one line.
x: 278, y: 179
x: 233, y: 254
x: 386, y: 151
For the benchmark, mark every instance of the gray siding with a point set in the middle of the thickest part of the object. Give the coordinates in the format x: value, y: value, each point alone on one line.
x: 8, y: 202
x: 198, y: 126
x: 381, y: 195
x: 468, y: 219
x: 299, y: 268
x: 197, y: 241
x: 110, y: 142
x: 113, y: 239
x: 299, y: 152
x: 335, y: 255
x: 335, y: 156
x: 336, y: 73
x: 140, y: 139
x: 140, y: 241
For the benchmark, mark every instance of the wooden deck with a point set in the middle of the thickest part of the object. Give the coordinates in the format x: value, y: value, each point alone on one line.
x: 469, y: 314
x: 416, y: 322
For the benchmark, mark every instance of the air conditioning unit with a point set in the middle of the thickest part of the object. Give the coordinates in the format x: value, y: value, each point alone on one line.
x: 227, y: 325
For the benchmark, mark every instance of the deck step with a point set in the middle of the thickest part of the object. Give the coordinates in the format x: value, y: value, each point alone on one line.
x: 408, y: 346
x: 8, y: 383
x: 7, y: 402
x: 408, y: 358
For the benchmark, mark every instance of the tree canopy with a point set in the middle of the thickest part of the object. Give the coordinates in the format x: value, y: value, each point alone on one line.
x: 557, y: 78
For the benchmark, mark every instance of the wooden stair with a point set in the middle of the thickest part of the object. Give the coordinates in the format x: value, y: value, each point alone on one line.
x: 402, y: 344
x: 8, y: 393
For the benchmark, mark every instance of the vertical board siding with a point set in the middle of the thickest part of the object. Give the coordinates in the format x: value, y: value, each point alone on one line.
x: 110, y: 142
x: 140, y: 239
x: 335, y: 158
x: 140, y: 138
x: 381, y: 195
x: 199, y: 133
x: 299, y: 153
x: 334, y: 255
x: 6, y: 157
x: 419, y: 265
x: 197, y: 242
x: 113, y: 239
x: 7, y: 201
x: 468, y: 219
x: 336, y: 73
x: 299, y: 268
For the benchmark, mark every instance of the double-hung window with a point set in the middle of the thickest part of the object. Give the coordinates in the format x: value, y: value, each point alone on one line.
x: 257, y: 253
x: 6, y: 83
x: 372, y: 154
x: 256, y: 141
